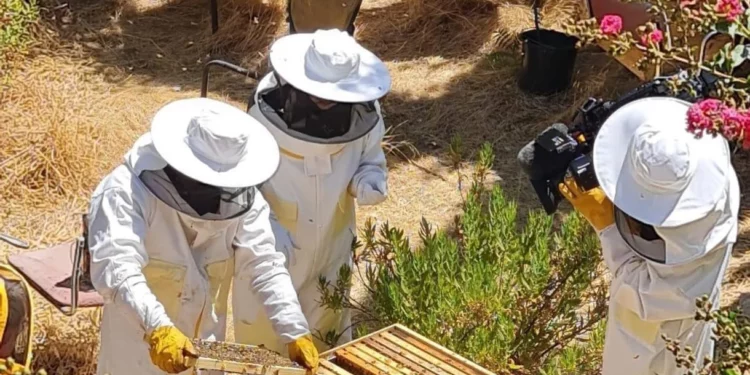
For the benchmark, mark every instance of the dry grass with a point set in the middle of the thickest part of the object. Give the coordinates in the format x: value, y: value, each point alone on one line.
x: 50, y: 136
x: 517, y: 18
x: 62, y: 127
x: 247, y: 28
x: 71, y: 113
x: 53, y: 140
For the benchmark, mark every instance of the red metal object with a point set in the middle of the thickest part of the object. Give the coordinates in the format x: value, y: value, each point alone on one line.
x: 48, y: 271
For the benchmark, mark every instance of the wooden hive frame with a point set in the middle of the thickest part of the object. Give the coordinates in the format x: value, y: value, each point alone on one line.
x: 395, y: 350
x: 235, y: 367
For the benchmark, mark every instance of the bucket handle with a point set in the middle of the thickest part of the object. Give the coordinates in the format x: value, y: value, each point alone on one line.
x: 704, y: 43
x: 702, y: 52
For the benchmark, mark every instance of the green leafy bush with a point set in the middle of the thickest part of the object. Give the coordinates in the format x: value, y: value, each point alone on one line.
x: 16, y: 19
x: 515, y: 298
x: 732, y: 336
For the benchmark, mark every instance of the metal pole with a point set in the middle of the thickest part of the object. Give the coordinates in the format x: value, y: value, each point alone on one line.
x: 14, y: 241
x: 214, y: 16
x: 536, y: 20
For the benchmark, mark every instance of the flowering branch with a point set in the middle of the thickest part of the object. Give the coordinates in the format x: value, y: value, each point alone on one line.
x: 671, y: 39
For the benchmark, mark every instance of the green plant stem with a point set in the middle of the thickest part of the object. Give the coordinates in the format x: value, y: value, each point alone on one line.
x: 700, y: 66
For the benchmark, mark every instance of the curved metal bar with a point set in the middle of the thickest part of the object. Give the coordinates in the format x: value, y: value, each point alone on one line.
x: 14, y: 241
x: 224, y: 64
x: 704, y: 43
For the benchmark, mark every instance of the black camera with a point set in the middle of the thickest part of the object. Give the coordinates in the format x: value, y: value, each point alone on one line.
x: 561, y: 151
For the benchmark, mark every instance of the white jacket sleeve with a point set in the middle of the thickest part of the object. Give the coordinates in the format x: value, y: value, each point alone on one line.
x: 372, y: 165
x: 657, y: 292
x: 260, y: 267
x: 117, y: 227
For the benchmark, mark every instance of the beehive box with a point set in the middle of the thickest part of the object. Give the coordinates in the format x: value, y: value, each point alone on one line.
x: 242, y: 359
x: 395, y: 350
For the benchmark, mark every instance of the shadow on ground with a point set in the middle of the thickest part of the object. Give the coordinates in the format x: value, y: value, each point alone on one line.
x: 164, y: 45
x: 167, y: 44
x: 398, y: 32
x: 443, y: 85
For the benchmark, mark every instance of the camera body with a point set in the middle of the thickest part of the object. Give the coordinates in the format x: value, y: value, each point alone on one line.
x: 561, y: 151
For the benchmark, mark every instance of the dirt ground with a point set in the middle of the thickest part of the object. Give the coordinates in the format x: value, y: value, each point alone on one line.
x: 105, y: 66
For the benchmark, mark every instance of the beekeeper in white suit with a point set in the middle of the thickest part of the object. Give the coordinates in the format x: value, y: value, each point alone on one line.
x: 668, y: 237
x: 321, y: 105
x: 166, y: 241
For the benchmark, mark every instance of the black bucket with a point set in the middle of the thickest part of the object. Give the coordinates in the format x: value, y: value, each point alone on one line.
x: 548, y: 61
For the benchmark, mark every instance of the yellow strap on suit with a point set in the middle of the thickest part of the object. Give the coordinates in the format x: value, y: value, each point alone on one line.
x: 7, y: 272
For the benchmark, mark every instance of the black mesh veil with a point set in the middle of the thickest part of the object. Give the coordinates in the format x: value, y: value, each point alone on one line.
x: 642, y: 238
x: 197, y: 199
x: 295, y: 113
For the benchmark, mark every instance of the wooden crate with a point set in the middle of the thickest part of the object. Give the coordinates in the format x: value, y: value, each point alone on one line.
x: 395, y: 350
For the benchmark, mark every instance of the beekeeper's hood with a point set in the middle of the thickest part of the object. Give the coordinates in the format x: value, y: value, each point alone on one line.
x: 676, y: 195
x: 203, y: 158
x: 327, y: 65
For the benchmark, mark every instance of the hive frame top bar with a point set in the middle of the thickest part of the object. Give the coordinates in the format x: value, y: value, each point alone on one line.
x: 448, y: 356
x: 244, y: 368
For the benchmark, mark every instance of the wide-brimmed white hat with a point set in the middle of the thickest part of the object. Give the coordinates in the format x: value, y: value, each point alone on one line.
x: 214, y: 143
x: 331, y: 65
x: 654, y: 170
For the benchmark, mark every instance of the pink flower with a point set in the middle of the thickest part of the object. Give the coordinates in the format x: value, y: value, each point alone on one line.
x: 733, y: 122
x: 611, y: 24
x: 711, y: 116
x: 654, y: 37
x: 702, y: 116
x: 730, y: 9
x: 745, y: 130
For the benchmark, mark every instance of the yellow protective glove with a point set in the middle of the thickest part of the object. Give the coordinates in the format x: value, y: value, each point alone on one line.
x: 593, y: 204
x: 171, y: 350
x: 304, y: 353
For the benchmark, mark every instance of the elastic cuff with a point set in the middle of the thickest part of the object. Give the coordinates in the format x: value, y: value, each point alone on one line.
x: 295, y: 338
x: 606, y: 229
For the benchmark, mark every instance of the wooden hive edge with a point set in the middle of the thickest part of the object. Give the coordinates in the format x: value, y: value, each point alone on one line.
x: 398, y: 350
x: 445, y: 351
x: 330, y: 368
x: 204, y: 363
x: 331, y: 352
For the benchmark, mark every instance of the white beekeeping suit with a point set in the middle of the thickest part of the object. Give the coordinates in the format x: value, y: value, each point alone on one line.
x: 166, y: 246
x: 666, y: 215
x: 320, y: 104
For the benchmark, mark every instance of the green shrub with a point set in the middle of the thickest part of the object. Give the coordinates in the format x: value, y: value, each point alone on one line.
x: 732, y: 336
x: 16, y: 20
x: 514, y: 298
x: 579, y: 358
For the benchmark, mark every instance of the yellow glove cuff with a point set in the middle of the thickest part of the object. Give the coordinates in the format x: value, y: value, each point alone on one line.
x: 593, y: 204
